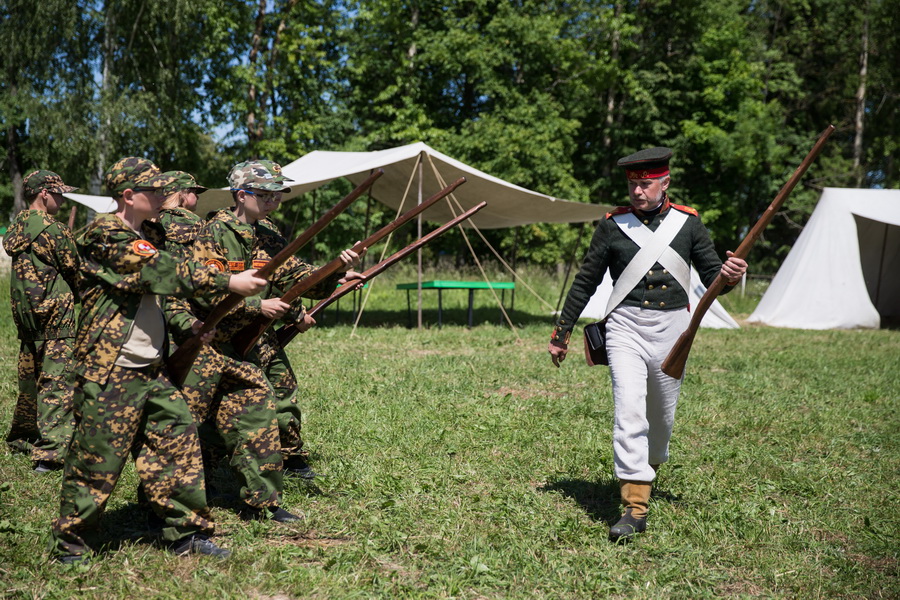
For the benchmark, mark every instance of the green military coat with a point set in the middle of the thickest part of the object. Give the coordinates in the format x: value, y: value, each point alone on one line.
x: 45, y: 266
x: 658, y: 290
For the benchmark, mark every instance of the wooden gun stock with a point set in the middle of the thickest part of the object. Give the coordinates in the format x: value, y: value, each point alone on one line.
x: 180, y: 361
x: 246, y: 338
x: 676, y: 360
x: 288, y: 332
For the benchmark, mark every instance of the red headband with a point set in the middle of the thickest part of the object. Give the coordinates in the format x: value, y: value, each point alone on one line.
x: 653, y: 173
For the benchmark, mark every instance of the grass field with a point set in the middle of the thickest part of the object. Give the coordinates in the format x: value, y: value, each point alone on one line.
x: 459, y: 463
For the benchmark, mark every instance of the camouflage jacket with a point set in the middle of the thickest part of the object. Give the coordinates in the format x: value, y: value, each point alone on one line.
x: 658, y: 289
x: 118, y: 268
x: 233, y: 246
x: 44, y: 274
x: 182, y: 227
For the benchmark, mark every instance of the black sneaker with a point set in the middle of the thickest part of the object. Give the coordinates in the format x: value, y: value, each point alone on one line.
x: 71, y: 559
x: 282, y: 516
x: 296, y: 466
x: 46, y: 466
x: 199, y: 543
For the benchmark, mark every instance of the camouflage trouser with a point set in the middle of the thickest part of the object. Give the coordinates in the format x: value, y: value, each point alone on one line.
x: 236, y: 397
x: 287, y: 406
x: 43, y: 419
x: 138, y: 411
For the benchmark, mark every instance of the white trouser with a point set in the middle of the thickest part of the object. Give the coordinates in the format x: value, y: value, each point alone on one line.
x: 637, y: 342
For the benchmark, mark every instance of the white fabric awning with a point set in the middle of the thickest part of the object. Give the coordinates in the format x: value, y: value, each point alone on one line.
x: 508, y: 204
x: 100, y: 204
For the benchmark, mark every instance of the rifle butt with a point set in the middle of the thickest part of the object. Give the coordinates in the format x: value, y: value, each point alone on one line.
x: 676, y: 360
x: 180, y: 362
x: 244, y: 340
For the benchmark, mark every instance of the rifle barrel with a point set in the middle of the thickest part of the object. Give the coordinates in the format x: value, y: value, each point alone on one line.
x: 676, y: 360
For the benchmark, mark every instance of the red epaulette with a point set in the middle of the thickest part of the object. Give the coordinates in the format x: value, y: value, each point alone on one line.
x: 620, y: 211
x: 687, y: 209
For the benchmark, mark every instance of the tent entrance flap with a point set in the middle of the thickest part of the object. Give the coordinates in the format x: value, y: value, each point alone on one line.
x: 879, y: 254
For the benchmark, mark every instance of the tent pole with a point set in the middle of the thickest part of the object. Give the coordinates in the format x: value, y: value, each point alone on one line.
x: 569, y: 262
x: 419, y: 251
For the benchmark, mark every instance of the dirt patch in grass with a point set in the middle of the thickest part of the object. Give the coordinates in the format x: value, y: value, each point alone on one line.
x: 310, y: 540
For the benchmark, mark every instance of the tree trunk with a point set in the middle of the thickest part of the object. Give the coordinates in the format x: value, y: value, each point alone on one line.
x: 254, y: 128
x: 13, y: 162
x: 861, y: 101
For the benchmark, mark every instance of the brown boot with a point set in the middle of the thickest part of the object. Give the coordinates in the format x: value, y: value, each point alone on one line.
x: 636, y: 499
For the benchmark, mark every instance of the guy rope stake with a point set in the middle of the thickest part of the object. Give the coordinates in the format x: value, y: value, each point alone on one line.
x: 675, y: 362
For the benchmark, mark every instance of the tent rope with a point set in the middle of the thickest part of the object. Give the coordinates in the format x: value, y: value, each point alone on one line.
x: 472, y: 250
x: 387, y: 244
x: 491, y: 248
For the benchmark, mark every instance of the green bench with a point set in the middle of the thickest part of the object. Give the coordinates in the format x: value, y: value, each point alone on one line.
x: 440, y: 286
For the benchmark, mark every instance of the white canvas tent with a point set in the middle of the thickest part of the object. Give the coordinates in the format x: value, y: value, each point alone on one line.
x: 844, y: 270
x: 508, y: 204
x: 715, y: 318
x: 100, y: 204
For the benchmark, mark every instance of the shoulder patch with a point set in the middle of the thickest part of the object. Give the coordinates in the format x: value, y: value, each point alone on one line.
x: 212, y: 262
x: 686, y: 209
x: 620, y: 211
x: 143, y: 248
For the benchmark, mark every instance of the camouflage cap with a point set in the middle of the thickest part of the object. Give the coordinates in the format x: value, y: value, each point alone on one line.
x: 177, y: 181
x: 45, y: 180
x: 258, y: 175
x: 133, y: 172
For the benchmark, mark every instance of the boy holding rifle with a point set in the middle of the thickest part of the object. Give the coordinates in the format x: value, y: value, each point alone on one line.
x: 124, y: 399
x: 242, y: 235
x: 647, y: 247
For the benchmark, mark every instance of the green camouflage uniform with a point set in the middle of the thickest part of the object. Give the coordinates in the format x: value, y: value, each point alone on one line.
x: 44, y: 274
x: 181, y: 227
x: 233, y: 246
x: 122, y: 409
x: 234, y: 398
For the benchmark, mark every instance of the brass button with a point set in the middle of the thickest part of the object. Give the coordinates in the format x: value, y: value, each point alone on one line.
x: 646, y: 303
x: 649, y: 287
x: 665, y: 272
x: 665, y: 287
x: 562, y: 322
x: 646, y: 222
x: 661, y: 304
x: 650, y: 273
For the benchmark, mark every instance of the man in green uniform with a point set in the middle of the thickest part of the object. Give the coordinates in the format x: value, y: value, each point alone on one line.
x: 44, y: 276
x: 242, y: 236
x: 231, y: 401
x: 647, y: 248
x: 123, y: 396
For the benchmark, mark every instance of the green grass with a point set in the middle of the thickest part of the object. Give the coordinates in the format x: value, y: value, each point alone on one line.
x: 460, y: 464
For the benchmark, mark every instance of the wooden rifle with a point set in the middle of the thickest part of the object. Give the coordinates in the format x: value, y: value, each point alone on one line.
x: 288, y: 332
x: 245, y: 339
x: 180, y: 361
x: 676, y: 360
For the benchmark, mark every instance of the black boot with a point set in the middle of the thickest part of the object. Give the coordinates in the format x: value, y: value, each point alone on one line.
x: 296, y: 466
x: 627, y: 527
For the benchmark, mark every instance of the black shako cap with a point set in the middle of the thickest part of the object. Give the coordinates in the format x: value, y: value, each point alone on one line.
x: 649, y: 159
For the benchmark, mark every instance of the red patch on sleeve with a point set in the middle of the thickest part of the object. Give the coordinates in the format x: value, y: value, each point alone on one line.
x: 259, y: 264
x: 215, y: 263
x: 143, y: 248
